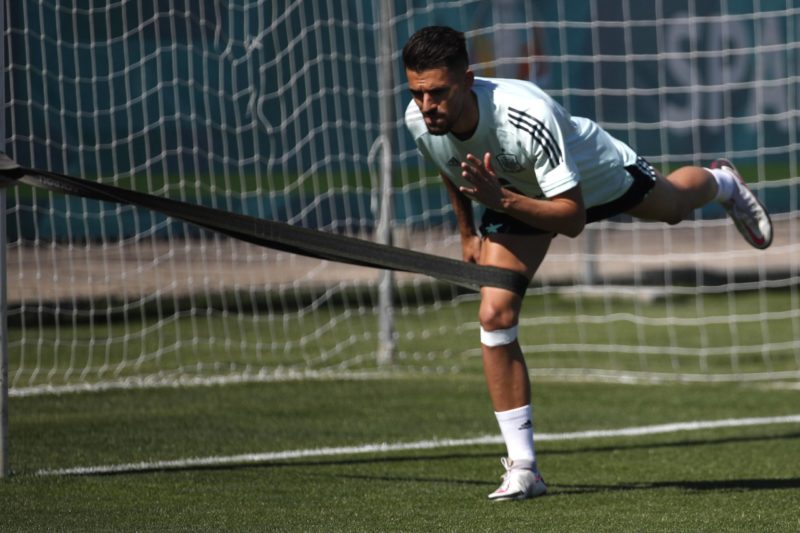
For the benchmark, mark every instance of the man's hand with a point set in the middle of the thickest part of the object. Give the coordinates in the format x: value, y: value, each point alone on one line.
x: 486, y: 187
x: 562, y: 213
x: 471, y: 248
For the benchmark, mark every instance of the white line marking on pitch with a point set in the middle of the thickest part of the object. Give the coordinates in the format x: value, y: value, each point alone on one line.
x: 254, y: 458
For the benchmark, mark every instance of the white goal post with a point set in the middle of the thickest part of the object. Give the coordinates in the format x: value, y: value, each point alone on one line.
x: 5, y: 464
x: 285, y: 110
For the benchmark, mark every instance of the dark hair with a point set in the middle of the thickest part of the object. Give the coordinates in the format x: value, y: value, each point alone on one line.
x: 436, y: 47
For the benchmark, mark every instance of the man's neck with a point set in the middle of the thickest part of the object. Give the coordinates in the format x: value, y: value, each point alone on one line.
x: 470, y: 119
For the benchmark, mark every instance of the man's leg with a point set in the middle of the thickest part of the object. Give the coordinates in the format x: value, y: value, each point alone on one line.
x: 504, y: 364
x: 673, y: 198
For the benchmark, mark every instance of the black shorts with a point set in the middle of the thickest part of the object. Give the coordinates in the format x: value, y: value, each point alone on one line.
x: 644, y: 179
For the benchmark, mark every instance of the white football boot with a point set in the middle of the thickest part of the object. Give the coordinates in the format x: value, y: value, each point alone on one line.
x: 749, y: 215
x: 521, y: 480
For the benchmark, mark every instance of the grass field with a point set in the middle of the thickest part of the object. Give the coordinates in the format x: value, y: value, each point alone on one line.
x: 735, y: 479
x: 415, y: 452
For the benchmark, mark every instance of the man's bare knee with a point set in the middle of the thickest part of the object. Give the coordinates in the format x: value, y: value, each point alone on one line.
x: 494, y: 316
x: 498, y: 325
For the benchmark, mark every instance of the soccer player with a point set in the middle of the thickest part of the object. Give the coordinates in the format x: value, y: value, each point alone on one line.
x: 538, y: 172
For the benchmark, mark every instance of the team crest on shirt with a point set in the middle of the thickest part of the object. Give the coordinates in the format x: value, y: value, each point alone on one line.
x: 509, y: 162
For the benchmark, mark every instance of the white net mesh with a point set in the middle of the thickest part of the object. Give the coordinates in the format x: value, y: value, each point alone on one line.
x: 270, y: 108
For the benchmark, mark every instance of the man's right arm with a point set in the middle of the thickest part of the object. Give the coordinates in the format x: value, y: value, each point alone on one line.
x: 462, y: 207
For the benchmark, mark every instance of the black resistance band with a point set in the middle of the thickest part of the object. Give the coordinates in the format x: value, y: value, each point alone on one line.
x: 278, y: 235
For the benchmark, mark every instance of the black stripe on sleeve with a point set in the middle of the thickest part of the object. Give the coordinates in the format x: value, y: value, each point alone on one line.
x: 541, y: 135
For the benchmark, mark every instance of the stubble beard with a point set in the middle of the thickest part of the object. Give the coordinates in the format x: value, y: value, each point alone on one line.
x: 439, y: 128
x: 445, y: 126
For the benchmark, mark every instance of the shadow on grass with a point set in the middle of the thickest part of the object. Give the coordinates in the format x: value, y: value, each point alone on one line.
x: 670, y: 444
x: 560, y: 489
x: 710, y: 485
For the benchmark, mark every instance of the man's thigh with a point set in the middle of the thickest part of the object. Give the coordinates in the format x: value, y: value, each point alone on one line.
x: 659, y: 202
x: 520, y: 253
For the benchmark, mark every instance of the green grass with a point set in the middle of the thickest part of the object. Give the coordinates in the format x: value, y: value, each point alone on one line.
x: 745, y: 479
x: 734, y: 479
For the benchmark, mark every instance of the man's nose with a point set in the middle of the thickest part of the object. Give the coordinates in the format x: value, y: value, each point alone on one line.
x: 427, y: 103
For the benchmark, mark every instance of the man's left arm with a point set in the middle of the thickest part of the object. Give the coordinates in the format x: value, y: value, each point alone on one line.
x: 563, y: 213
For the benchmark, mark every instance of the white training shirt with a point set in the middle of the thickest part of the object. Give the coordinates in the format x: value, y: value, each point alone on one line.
x: 537, y: 148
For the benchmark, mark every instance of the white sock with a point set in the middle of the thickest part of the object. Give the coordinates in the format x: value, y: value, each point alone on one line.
x: 516, y: 426
x: 726, y: 183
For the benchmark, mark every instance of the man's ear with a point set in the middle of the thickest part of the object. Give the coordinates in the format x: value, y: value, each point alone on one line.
x: 469, y: 78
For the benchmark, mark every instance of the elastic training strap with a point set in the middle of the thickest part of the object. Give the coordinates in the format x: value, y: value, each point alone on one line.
x: 275, y: 234
x: 498, y: 337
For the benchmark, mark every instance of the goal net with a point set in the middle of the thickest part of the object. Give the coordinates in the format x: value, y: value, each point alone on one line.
x: 279, y: 110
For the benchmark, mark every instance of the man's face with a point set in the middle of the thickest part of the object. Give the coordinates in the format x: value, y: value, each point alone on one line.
x: 441, y: 96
